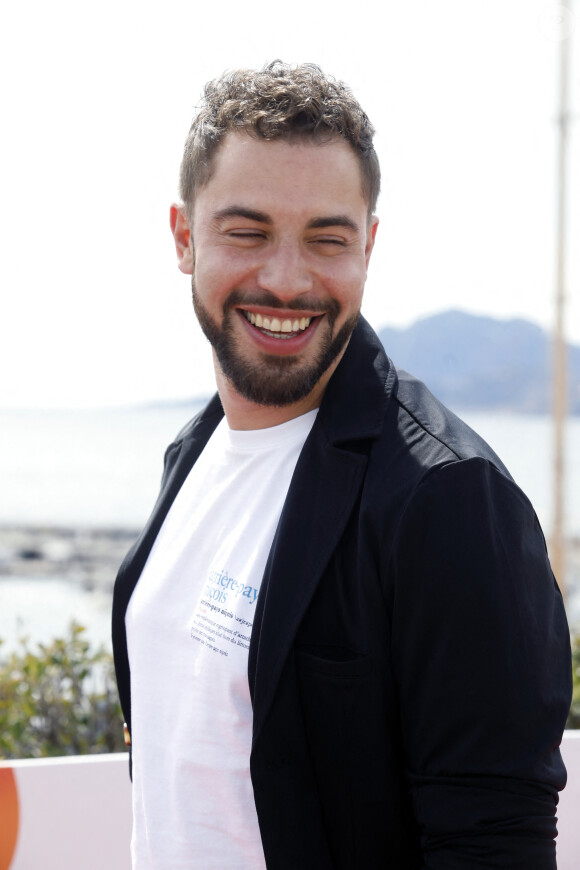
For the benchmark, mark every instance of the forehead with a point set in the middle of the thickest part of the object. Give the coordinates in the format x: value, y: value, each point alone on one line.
x: 283, y: 174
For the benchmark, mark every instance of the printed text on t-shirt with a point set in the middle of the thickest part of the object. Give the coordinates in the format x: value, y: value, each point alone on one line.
x: 220, y: 587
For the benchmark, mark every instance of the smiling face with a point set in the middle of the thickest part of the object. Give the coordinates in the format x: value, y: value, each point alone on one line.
x: 278, y: 253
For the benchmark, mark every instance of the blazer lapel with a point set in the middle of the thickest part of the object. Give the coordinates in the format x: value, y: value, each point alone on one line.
x: 321, y: 497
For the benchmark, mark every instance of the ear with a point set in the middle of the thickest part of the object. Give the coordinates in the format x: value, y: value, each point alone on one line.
x: 371, y: 234
x: 182, y: 236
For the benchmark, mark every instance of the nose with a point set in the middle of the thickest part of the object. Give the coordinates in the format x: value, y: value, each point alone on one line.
x: 285, y: 272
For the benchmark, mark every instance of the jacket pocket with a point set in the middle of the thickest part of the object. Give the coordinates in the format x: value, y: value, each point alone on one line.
x: 334, y: 662
x: 351, y: 725
x: 330, y: 690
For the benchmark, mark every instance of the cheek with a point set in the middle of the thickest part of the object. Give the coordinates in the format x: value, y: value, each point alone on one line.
x: 217, y: 273
x: 209, y: 281
x: 346, y: 284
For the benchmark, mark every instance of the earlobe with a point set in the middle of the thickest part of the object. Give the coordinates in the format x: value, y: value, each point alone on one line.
x: 179, y: 224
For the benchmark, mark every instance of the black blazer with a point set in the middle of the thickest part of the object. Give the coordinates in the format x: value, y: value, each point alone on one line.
x: 409, y: 664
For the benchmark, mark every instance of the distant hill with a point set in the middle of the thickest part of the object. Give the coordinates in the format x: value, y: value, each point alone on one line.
x: 473, y: 362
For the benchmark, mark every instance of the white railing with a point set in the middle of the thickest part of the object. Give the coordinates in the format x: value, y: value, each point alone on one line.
x: 75, y: 813
x: 568, y: 842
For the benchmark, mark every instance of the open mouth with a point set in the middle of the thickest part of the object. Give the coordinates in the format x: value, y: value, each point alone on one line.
x: 277, y: 328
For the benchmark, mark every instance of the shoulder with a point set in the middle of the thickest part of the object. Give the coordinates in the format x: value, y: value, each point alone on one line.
x: 420, y: 415
x: 372, y: 401
x: 425, y: 453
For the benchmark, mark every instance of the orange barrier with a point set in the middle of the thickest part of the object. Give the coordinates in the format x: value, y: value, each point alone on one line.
x: 8, y: 816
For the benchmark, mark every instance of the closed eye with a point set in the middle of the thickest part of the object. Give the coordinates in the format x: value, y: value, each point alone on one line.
x: 245, y: 236
x: 330, y: 244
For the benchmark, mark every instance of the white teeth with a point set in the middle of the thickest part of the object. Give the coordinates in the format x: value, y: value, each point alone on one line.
x: 276, y: 325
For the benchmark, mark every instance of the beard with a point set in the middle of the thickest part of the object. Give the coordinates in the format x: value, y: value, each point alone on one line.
x: 272, y: 380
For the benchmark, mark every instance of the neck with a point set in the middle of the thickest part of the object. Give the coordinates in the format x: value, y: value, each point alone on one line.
x: 244, y: 414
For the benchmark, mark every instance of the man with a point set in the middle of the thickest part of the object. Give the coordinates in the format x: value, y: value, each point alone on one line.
x: 338, y: 640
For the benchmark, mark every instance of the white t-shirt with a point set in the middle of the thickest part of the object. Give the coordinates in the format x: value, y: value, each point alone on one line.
x: 188, y: 632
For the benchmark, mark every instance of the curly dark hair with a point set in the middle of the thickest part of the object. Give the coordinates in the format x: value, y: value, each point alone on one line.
x: 279, y: 101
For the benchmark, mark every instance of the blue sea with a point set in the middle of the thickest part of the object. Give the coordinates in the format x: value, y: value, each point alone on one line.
x: 101, y: 468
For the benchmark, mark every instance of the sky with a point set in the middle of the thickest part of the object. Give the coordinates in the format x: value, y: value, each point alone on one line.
x: 97, y: 101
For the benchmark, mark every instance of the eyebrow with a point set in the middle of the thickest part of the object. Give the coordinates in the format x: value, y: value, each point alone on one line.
x: 320, y: 223
x: 240, y: 211
x: 338, y: 220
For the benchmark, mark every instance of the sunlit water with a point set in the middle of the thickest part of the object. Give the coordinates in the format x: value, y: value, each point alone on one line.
x: 102, y: 469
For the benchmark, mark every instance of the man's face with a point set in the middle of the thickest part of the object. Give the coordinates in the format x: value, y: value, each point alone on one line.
x: 281, y: 243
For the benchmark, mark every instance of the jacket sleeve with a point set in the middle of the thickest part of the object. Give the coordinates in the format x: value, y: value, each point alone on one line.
x: 481, y: 654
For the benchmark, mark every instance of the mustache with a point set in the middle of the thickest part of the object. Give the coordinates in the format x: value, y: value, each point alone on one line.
x: 268, y: 300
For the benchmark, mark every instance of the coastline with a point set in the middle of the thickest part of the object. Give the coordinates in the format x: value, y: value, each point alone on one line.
x: 88, y: 557
x: 50, y: 573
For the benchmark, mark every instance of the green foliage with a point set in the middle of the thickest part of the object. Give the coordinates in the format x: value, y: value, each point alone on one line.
x: 574, y: 716
x: 62, y: 699
x: 59, y: 700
